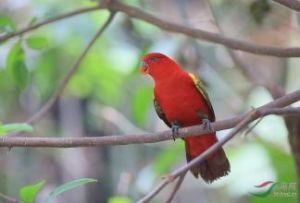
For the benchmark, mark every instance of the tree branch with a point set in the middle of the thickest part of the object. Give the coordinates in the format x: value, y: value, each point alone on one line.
x: 293, y: 4
x: 176, y: 188
x: 155, y: 191
x: 182, y: 170
x: 73, y: 142
x: 45, y: 108
x: 204, y: 35
x: 46, y: 22
x: 195, y: 33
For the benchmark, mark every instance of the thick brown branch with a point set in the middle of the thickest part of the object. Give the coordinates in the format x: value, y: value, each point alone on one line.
x: 45, y: 108
x: 264, y: 110
x: 293, y: 4
x: 205, y: 35
x: 46, y: 22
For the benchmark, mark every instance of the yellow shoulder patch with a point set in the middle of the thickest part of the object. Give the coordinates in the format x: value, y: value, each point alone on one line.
x: 199, y: 85
x: 201, y: 89
x: 194, y: 78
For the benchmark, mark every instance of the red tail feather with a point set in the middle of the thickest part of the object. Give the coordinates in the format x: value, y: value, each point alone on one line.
x: 215, y: 166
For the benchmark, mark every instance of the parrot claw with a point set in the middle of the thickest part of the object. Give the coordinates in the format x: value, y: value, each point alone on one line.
x: 207, y: 125
x: 175, y: 128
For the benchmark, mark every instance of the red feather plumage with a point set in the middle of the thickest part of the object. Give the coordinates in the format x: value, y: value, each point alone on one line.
x: 179, y: 100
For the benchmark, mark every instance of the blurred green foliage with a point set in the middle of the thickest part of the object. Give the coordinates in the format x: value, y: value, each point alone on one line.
x: 7, y: 24
x: 141, y: 101
x: 166, y: 159
x: 96, y: 78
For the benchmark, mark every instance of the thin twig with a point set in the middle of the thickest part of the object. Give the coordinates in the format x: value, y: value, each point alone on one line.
x: 72, y: 142
x: 156, y: 190
x: 45, y: 108
x: 249, y: 129
x: 8, y: 199
x: 293, y: 4
x: 204, y: 35
x: 176, y: 188
x: 48, y: 21
x: 246, y: 120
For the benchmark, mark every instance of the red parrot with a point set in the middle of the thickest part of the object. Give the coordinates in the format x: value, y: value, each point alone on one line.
x: 180, y: 101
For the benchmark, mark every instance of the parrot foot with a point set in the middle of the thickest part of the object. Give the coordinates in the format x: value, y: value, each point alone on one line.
x: 175, y: 127
x: 206, y: 125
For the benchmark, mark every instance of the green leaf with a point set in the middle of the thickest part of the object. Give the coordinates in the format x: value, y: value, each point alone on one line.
x: 7, y: 24
x: 68, y: 186
x: 20, y: 73
x: 28, y: 193
x: 16, y: 64
x: 2, y: 130
x: 119, y: 199
x: 36, y: 42
x: 15, y: 127
x: 15, y: 53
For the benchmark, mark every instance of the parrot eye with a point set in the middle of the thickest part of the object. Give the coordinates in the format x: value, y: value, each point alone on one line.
x: 153, y: 59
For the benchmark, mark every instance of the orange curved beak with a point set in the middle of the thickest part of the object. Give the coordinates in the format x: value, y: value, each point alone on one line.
x: 144, y: 68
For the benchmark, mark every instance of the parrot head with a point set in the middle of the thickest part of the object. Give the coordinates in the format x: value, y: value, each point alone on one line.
x: 157, y: 64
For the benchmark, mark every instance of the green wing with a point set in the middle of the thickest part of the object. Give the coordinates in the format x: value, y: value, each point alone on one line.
x: 160, y: 113
x: 200, y: 87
